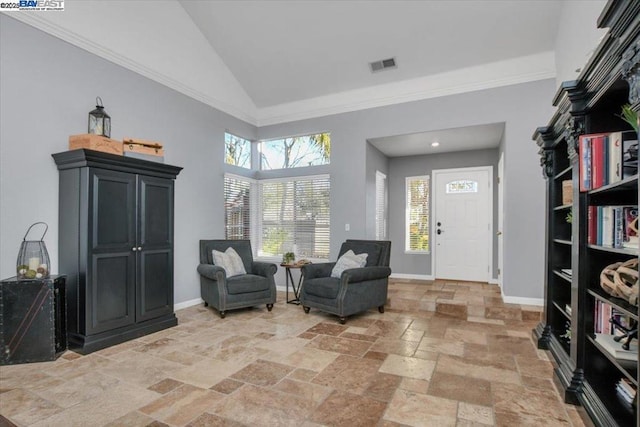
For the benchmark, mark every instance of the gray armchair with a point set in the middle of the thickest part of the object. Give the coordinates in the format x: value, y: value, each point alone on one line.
x: 357, y: 289
x: 246, y: 290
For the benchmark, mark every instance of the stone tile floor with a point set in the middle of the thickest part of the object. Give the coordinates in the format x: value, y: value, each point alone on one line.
x: 443, y: 354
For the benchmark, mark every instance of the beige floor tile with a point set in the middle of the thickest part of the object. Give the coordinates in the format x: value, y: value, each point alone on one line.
x: 415, y: 409
x: 401, y: 368
x: 476, y: 413
x: 410, y: 367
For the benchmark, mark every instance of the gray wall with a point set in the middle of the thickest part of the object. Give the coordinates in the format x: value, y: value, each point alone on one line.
x: 402, y: 167
x: 48, y: 87
x: 521, y: 107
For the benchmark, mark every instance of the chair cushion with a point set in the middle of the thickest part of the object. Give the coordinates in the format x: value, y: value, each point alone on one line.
x: 372, y: 249
x: 247, y: 283
x: 348, y: 260
x: 230, y: 261
x: 325, y: 287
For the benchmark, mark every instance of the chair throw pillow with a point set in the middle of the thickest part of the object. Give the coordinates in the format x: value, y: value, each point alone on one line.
x: 230, y: 261
x: 349, y: 260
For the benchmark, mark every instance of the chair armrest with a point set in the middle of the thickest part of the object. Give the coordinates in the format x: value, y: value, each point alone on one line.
x: 211, y: 271
x: 264, y: 269
x: 312, y: 271
x: 354, y: 275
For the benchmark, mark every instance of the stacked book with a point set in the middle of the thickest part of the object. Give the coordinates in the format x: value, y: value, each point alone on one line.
x: 626, y: 391
x: 606, y: 158
x: 614, y: 348
x: 612, y: 226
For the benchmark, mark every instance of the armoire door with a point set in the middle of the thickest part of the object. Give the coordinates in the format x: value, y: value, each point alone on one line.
x: 155, y: 227
x: 110, y: 281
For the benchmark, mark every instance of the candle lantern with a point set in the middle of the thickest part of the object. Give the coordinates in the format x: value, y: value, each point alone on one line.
x: 33, y: 258
x: 99, y: 120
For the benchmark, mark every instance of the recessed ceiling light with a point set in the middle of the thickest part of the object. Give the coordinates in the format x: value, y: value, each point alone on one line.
x: 435, y: 144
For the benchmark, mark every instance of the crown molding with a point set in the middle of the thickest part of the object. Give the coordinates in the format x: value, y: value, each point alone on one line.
x: 488, y: 76
x: 503, y: 73
x: 37, y: 21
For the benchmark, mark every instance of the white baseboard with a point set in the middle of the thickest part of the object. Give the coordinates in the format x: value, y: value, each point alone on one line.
x: 493, y: 281
x: 523, y: 301
x: 411, y: 276
x: 186, y: 304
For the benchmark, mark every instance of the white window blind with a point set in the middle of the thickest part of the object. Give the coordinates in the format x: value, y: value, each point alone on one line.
x: 417, y: 212
x: 237, y: 207
x: 295, y: 211
x: 381, y: 206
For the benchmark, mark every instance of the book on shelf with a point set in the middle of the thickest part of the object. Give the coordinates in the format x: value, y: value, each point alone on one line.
x: 627, y: 387
x: 599, y: 150
x: 615, y: 157
x: 615, y: 349
x: 592, y: 225
x: 606, y: 158
x: 626, y: 391
x: 625, y: 397
x: 611, y: 226
x: 629, y: 154
x: 606, y: 319
x: 584, y: 155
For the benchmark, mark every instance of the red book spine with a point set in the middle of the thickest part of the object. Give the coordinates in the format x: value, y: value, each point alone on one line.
x: 592, y: 230
x: 597, y: 161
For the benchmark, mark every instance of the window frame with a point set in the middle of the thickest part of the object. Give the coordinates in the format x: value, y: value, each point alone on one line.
x: 407, y: 234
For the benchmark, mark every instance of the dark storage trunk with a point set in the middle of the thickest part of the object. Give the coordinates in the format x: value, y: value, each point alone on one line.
x: 33, y: 326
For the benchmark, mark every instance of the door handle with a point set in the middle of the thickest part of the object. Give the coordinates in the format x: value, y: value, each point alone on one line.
x: 439, y: 231
x: 139, y: 248
x: 498, y: 233
x: 134, y: 249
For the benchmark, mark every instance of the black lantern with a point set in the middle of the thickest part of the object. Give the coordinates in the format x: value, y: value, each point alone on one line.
x: 99, y: 120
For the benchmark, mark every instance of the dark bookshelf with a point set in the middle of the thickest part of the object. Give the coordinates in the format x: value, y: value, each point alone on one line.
x: 586, y: 371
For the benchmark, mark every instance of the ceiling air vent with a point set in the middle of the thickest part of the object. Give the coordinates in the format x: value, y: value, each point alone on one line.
x: 383, y: 64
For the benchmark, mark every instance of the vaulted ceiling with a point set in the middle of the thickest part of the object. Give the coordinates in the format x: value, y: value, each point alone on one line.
x: 273, y: 61
x: 284, y: 51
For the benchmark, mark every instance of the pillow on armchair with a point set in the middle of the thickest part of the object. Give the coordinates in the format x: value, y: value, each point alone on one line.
x: 230, y: 261
x: 349, y: 260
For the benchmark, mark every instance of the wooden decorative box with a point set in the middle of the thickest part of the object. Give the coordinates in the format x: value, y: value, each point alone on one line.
x: 567, y: 192
x: 95, y: 142
x: 142, y: 149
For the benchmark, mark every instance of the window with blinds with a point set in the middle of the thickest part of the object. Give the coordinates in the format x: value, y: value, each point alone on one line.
x: 417, y: 211
x: 295, y: 211
x: 381, y: 206
x: 237, y: 207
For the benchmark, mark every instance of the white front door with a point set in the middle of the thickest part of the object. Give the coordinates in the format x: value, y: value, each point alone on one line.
x: 462, y: 223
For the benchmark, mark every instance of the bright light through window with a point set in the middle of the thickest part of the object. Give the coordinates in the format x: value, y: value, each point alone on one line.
x: 295, y: 152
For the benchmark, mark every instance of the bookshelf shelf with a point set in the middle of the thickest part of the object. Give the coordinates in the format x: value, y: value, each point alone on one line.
x: 587, y: 142
x: 611, y: 249
x: 617, y: 303
x: 562, y: 310
x: 562, y: 276
x: 563, y: 207
x: 566, y: 173
x: 626, y: 368
x: 562, y: 241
